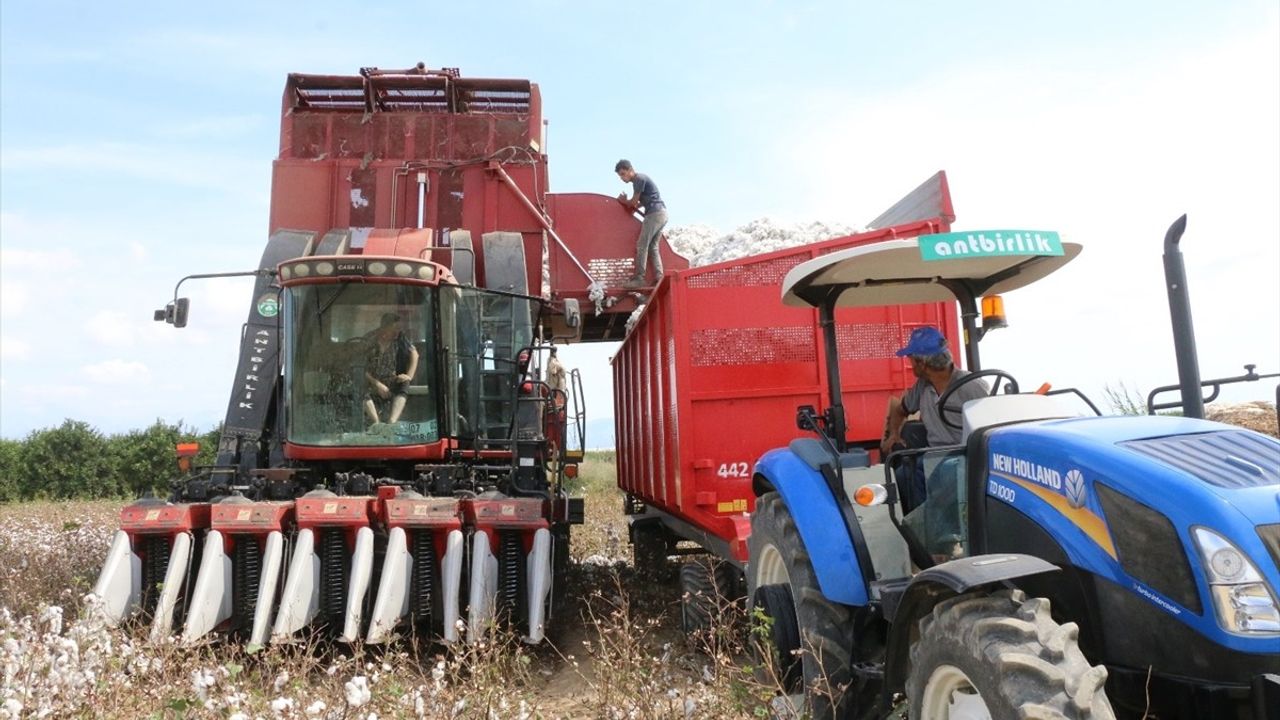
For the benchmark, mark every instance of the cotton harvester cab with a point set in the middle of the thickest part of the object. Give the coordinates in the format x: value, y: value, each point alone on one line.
x: 390, y: 460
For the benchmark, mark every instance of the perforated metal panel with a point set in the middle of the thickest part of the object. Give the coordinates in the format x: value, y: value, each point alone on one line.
x: 752, y: 346
x: 611, y: 271
x: 868, y: 341
x: 749, y: 274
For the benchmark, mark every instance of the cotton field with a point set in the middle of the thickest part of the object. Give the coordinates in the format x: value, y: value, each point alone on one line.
x: 624, y: 658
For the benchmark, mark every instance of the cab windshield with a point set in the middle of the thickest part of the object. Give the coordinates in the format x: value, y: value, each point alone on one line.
x: 360, y: 364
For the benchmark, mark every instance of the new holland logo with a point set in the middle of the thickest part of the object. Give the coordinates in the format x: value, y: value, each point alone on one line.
x: 1075, y: 489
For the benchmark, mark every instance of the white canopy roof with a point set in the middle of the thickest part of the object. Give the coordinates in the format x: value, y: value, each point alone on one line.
x: 892, y: 272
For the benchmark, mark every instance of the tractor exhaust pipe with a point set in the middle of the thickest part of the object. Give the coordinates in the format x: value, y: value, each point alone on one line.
x: 1184, y: 337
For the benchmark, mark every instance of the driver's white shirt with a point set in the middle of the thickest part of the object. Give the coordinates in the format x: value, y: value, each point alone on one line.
x: 924, y: 398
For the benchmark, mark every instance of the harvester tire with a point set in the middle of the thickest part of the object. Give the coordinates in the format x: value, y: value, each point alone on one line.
x: 1004, y: 651
x: 825, y: 627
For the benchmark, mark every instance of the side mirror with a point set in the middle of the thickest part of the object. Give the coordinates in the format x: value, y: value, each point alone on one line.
x: 807, y: 418
x: 572, y: 313
x: 175, y: 313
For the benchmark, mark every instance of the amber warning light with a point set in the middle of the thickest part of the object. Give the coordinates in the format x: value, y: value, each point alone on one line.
x: 869, y: 495
x: 185, y: 452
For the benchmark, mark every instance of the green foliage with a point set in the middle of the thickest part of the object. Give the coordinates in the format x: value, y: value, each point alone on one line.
x: 75, y: 460
x: 69, y: 461
x: 144, y: 459
x: 10, y: 470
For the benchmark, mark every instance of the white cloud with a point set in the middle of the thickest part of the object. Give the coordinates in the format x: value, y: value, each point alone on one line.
x: 113, y: 328
x: 14, y: 348
x: 137, y: 250
x: 13, y: 298
x: 117, y: 372
x: 169, y: 165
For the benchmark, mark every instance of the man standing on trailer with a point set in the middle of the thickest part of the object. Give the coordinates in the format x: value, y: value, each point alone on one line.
x: 935, y: 371
x: 644, y: 193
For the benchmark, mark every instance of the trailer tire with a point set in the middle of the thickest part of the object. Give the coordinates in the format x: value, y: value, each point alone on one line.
x: 698, y: 602
x: 778, y: 556
x: 649, y: 549
x: 1005, y: 651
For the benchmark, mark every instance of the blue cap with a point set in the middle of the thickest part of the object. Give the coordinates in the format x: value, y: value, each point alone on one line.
x: 924, y: 340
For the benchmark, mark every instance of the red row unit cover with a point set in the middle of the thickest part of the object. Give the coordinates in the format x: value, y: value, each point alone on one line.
x: 712, y: 373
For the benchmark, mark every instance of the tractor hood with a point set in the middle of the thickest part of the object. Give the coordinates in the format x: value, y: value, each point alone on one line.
x: 1175, y: 465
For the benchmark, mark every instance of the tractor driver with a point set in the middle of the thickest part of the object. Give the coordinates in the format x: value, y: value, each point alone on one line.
x: 935, y: 371
x: 390, y: 364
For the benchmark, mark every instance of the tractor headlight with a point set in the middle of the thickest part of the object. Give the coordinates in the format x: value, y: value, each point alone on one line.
x: 1244, y: 603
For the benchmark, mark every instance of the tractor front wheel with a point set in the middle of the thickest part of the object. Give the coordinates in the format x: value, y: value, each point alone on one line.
x: 1001, y: 655
x: 779, y: 558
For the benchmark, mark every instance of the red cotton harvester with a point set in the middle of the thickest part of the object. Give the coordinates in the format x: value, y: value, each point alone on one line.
x: 391, y: 461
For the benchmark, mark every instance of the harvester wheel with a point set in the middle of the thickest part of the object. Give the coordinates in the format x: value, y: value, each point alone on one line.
x: 779, y: 557
x: 1001, y: 655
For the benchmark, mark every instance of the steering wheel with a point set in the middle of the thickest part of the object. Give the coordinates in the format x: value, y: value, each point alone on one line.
x: 1011, y: 388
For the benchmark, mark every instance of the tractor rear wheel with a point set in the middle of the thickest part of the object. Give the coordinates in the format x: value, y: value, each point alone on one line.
x: 1001, y: 655
x: 779, y: 557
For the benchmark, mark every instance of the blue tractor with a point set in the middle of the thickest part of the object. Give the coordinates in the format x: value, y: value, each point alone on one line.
x: 1061, y: 565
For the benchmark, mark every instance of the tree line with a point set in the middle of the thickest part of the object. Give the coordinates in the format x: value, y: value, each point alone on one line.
x: 76, y: 461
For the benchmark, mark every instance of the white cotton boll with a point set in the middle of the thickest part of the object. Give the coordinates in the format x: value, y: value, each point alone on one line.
x: 282, y: 705
x: 201, y: 681
x: 51, y: 618
x: 316, y: 708
x: 280, y: 680
x: 12, y: 708
x: 358, y: 692
x: 238, y: 716
x: 437, y: 672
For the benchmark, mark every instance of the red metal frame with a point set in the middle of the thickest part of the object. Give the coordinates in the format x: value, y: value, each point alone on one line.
x: 352, y: 149
x: 712, y: 373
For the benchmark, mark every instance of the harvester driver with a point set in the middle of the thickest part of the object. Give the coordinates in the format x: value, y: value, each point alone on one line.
x: 390, y: 365
x: 935, y: 371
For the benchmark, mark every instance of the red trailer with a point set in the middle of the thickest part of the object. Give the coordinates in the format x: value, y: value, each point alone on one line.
x: 710, y: 377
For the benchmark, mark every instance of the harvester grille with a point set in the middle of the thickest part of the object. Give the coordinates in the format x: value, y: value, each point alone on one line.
x: 155, y: 564
x: 246, y: 573
x: 423, y: 588
x: 333, y: 573
x: 511, y: 577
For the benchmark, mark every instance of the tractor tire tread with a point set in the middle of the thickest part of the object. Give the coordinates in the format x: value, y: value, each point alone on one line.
x: 1023, y: 662
x: 825, y: 627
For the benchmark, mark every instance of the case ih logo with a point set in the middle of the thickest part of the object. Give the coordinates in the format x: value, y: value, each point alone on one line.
x: 1075, y: 489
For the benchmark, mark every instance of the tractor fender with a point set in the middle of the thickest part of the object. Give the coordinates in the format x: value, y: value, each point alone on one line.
x: 938, y: 583
x: 819, y: 519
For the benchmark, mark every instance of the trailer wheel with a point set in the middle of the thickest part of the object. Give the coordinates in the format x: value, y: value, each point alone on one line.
x: 649, y: 549
x: 709, y: 587
x: 1001, y: 655
x: 778, y: 557
x: 697, y: 598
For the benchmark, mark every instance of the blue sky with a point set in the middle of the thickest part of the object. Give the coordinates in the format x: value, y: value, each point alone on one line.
x: 136, y: 143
